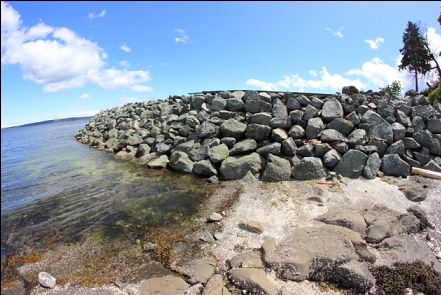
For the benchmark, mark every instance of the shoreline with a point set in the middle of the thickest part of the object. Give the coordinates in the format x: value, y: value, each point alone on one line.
x: 282, y: 207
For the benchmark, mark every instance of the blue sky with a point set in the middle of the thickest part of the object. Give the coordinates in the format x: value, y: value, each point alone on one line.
x: 70, y: 59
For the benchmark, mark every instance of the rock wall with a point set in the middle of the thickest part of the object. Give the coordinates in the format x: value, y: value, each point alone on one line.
x: 274, y: 136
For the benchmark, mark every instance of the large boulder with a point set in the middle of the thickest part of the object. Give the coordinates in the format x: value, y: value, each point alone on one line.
x: 233, y: 128
x: 257, y: 132
x: 351, y: 164
x: 277, y: 169
x: 308, y: 168
x: 332, y: 109
x: 236, y: 167
x: 181, y: 162
x: 394, y: 166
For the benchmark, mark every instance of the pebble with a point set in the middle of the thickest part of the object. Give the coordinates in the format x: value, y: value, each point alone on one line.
x: 46, y: 280
x: 207, y: 237
x: 215, y: 217
x: 438, y: 255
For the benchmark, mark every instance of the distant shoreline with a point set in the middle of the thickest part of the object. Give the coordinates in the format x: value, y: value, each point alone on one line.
x: 50, y: 121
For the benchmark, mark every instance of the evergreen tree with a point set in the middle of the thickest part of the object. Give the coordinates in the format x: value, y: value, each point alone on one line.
x: 416, y: 57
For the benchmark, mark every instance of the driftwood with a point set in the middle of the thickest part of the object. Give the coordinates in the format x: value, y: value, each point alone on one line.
x: 426, y: 173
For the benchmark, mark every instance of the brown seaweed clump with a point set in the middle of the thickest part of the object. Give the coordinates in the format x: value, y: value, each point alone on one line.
x: 416, y: 275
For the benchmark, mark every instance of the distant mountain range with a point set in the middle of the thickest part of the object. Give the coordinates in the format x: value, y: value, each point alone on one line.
x: 51, y: 121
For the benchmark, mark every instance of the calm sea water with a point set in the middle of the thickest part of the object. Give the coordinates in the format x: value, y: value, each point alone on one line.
x: 54, y: 188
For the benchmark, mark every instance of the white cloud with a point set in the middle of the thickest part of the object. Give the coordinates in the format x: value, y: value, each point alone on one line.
x: 312, y: 72
x: 125, y: 48
x: 124, y: 63
x: 327, y: 82
x: 184, y: 36
x: 101, y: 14
x: 374, y: 44
x: 338, y: 33
x: 84, y: 96
x: 261, y: 84
x: 60, y: 59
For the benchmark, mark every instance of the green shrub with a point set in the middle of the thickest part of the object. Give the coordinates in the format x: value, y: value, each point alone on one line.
x: 434, y: 95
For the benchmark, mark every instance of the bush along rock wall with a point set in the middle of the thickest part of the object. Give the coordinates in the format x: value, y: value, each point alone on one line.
x: 274, y: 136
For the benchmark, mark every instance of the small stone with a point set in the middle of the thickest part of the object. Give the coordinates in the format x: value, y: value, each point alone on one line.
x: 438, y: 255
x: 215, y: 217
x: 207, y: 237
x: 46, y: 280
x: 252, y: 226
x: 218, y: 236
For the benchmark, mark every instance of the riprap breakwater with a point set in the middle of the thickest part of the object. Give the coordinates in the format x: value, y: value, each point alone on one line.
x: 274, y: 136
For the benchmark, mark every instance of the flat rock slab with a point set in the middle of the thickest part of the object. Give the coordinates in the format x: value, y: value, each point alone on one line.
x: 199, y: 270
x: 252, y: 226
x: 246, y: 259
x: 307, y: 251
x: 167, y: 285
x: 254, y: 280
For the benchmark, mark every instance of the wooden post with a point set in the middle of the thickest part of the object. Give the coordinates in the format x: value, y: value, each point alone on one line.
x: 426, y: 173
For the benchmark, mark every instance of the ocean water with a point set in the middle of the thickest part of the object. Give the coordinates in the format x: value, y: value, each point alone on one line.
x: 57, y: 190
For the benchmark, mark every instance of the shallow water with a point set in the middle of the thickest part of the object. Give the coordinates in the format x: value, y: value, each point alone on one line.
x: 56, y: 190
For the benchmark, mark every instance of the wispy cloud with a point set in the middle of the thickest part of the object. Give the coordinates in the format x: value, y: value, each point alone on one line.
x: 125, y: 48
x: 101, y: 14
x: 124, y: 63
x: 338, y: 33
x: 261, y: 84
x: 59, y: 59
x: 84, y: 96
x: 374, y: 44
x: 184, y: 38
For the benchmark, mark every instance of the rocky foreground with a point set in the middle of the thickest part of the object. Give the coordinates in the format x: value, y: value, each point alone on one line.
x: 362, y: 236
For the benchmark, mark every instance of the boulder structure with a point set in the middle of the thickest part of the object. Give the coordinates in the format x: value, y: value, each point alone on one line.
x: 275, y: 136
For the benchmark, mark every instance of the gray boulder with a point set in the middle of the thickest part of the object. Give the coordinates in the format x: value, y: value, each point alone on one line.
x: 261, y: 118
x: 341, y: 125
x: 257, y: 106
x: 289, y: 147
x: 270, y: 148
x: 181, y: 162
x: 308, y: 168
x: 233, y: 128
x: 257, y: 132
x: 206, y: 130
x: 398, y: 131
x: 351, y: 164
x: 331, y: 159
x: 332, y: 135
x: 434, y: 125
x: 279, y: 134
x: 159, y: 162
x: 314, y: 127
x: 394, y: 166
x: 383, y: 131
x: 218, y: 153
x: 371, y: 118
x: 235, y: 104
x: 332, y: 109
x: 279, y: 109
x: 236, y: 167
x: 357, y: 137
x: 244, y: 146
x: 372, y: 166
x: 218, y: 103
x: 204, y: 167
x: 296, y: 132
x: 277, y: 169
